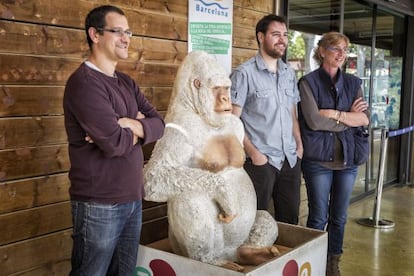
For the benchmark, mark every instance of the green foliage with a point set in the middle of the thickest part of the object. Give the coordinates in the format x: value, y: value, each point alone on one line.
x: 296, y: 46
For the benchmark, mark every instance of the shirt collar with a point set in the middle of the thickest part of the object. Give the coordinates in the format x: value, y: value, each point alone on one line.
x: 261, y: 65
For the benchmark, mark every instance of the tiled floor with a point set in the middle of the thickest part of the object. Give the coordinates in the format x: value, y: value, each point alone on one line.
x: 381, y: 252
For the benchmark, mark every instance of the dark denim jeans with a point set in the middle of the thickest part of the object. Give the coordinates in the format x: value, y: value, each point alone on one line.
x: 105, y: 238
x: 329, y: 192
x: 282, y: 186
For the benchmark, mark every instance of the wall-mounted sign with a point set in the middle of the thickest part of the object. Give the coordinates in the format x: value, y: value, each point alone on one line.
x: 210, y: 28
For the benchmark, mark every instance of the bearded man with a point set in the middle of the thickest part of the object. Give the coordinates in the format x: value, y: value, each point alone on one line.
x: 265, y: 95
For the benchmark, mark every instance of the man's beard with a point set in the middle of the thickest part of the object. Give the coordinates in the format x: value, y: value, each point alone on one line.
x: 273, y: 52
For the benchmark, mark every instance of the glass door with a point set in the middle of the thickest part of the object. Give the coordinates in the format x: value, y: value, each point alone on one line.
x: 374, y: 57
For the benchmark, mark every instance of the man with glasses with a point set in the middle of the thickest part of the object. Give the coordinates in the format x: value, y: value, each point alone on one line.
x: 107, y: 120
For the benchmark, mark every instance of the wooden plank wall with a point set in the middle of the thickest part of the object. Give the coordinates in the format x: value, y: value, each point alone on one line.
x: 41, y: 43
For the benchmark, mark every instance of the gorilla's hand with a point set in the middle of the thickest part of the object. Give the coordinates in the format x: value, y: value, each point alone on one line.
x: 226, y: 219
x: 227, y: 200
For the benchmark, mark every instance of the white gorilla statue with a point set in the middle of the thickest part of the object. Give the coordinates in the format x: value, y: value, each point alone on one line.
x: 197, y: 167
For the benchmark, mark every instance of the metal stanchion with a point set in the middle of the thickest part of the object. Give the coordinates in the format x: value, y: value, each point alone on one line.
x: 375, y: 221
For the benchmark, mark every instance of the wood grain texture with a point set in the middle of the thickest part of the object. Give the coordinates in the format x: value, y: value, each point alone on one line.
x: 33, y: 161
x: 42, y: 43
x: 33, y: 192
x: 34, y: 222
x: 45, y: 250
x: 21, y: 101
x: 21, y: 132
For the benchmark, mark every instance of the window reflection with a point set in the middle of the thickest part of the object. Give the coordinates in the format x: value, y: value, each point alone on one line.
x: 374, y: 56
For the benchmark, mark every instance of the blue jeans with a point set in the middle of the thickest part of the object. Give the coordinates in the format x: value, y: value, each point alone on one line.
x: 105, y: 238
x: 329, y: 192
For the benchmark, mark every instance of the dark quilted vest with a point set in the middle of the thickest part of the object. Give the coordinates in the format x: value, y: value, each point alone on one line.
x: 319, y: 145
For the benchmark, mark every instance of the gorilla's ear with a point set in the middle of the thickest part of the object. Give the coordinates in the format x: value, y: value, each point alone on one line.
x: 197, y: 83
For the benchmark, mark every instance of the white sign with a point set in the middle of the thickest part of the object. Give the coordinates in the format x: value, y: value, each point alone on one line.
x: 210, y: 28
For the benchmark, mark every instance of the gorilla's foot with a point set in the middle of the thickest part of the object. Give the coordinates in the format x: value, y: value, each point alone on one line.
x: 233, y: 266
x: 249, y: 255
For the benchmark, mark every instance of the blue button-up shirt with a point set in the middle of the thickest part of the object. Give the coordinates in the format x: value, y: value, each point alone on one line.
x: 267, y: 100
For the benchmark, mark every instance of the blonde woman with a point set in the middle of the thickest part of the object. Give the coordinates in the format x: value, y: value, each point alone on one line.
x: 331, y: 112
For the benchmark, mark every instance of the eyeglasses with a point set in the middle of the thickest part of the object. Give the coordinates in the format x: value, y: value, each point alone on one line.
x: 118, y: 32
x: 338, y: 50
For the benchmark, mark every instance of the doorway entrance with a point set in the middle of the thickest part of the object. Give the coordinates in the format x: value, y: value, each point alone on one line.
x: 376, y: 56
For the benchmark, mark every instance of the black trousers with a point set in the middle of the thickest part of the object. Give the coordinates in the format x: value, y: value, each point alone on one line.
x: 283, y: 186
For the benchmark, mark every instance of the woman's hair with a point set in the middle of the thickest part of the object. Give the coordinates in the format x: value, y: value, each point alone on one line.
x: 97, y: 18
x: 328, y: 40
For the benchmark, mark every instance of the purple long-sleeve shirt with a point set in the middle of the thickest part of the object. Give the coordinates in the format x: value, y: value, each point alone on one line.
x: 109, y: 170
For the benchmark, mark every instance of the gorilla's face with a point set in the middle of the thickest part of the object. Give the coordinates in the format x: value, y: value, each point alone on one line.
x: 222, y: 107
x: 217, y: 102
x: 222, y: 102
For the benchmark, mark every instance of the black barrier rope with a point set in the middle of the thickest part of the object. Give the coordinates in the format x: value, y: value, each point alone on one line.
x: 375, y: 221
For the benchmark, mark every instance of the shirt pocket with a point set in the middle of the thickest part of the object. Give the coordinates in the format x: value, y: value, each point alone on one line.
x: 262, y: 98
x: 289, y: 92
x: 290, y: 96
x: 263, y: 93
